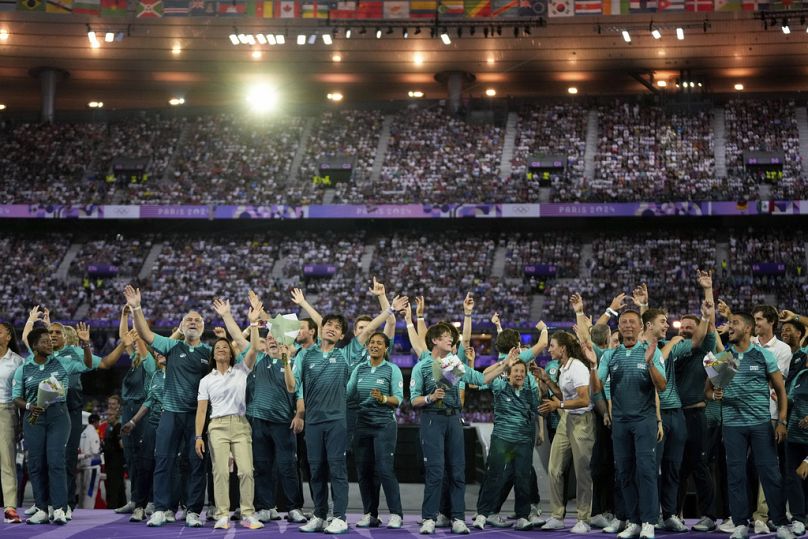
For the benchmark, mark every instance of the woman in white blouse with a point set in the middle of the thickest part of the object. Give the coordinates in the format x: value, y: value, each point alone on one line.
x: 9, y: 361
x: 229, y: 432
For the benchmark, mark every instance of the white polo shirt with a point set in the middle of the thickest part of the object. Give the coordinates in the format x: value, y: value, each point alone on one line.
x: 570, y: 377
x: 782, y: 353
x: 226, y: 393
x: 8, y: 365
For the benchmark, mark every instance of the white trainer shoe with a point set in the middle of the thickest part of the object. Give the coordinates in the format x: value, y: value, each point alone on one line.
x: 632, y: 530
x: 443, y: 521
x: 740, y: 532
x: 479, y: 522
x: 395, y: 522
x: 368, y: 521
x: 728, y: 526
x: 126, y: 509
x: 39, y: 517
x: 296, y: 516
x: 251, y: 523
x: 157, y: 519
x: 553, y: 524
x: 192, y: 520
x: 427, y: 527
x: 222, y: 524
x: 522, y: 525
x: 315, y: 524
x: 647, y: 531
x: 337, y: 526
x: 137, y: 515
x: 581, y: 527
x: 459, y: 527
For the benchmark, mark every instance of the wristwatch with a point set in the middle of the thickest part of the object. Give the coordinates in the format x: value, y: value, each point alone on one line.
x: 562, y: 405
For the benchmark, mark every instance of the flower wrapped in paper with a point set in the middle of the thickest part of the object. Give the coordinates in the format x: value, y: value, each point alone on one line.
x: 721, y: 369
x: 448, y: 371
x: 48, y: 392
x: 284, y: 329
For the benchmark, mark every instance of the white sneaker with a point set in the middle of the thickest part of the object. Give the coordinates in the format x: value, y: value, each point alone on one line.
x: 315, y: 524
x: 395, y: 522
x: 442, y: 521
x: 427, y: 527
x: 222, y: 524
x: 647, y: 531
x: 479, y: 522
x: 137, y: 515
x: 368, y: 521
x: 69, y: 514
x: 31, y: 510
x: 39, y: 517
x: 157, y: 519
x: 459, y: 527
x: 337, y: 526
x: 535, y: 517
x: 673, y: 524
x: 522, y: 524
x: 797, y: 527
x: 149, y: 511
x: 601, y: 521
x: 169, y: 516
x: 741, y: 532
x: 784, y: 532
x: 60, y: 518
x: 263, y: 515
x: 498, y: 521
x: 553, y: 524
x: 126, y: 509
x: 632, y: 530
x: 761, y: 527
x: 728, y: 526
x: 705, y: 524
x: 192, y: 520
x: 251, y: 523
x: 274, y: 515
x: 296, y: 516
x: 581, y: 527
x: 616, y: 526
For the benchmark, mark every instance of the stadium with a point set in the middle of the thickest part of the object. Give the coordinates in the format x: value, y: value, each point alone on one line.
x: 545, y: 183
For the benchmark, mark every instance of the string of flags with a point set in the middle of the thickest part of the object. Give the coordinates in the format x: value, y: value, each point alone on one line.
x: 415, y: 10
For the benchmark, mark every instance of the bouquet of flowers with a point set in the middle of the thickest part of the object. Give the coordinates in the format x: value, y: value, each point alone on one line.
x: 48, y: 392
x: 450, y: 370
x: 720, y: 369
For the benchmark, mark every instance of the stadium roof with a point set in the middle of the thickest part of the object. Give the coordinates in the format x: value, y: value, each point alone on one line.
x: 140, y: 70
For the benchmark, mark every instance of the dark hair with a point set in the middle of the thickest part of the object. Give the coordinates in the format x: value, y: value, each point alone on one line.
x: 13, y: 345
x: 340, y: 320
x: 747, y: 318
x: 508, y: 339
x: 436, y: 331
x: 212, y: 361
x: 94, y: 418
x: 693, y: 317
x: 600, y: 335
x: 386, y: 342
x: 799, y: 326
x: 116, y: 397
x: 652, y: 314
x: 362, y: 318
x: 522, y: 363
x: 453, y: 330
x: 570, y: 342
x: 35, y: 335
x: 768, y: 312
x: 312, y: 325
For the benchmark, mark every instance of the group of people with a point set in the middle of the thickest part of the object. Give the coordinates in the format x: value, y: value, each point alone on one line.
x: 631, y: 413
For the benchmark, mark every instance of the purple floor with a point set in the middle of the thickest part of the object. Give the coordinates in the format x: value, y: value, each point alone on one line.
x: 99, y: 524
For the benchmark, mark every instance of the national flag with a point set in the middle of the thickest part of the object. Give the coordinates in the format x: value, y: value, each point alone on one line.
x: 612, y: 7
x: 452, y: 8
x: 530, y: 8
x: 670, y: 5
x: 423, y: 9
x: 588, y: 7
x: 31, y: 5
x: 176, y: 8
x: 202, y: 8
x: 343, y: 10
x: 477, y: 8
x: 703, y: 5
x: 149, y: 9
x: 287, y: 9
x: 371, y: 9
x: 397, y: 10
x: 642, y: 6
x: 263, y: 9
x: 314, y: 9
x: 231, y: 8
x: 110, y: 8
x: 561, y: 8
x: 8, y: 5
x: 755, y: 5
x: 59, y: 6
x: 86, y: 7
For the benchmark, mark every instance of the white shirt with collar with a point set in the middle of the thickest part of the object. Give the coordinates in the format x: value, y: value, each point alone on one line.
x: 570, y: 377
x: 226, y: 393
x: 8, y: 365
x: 782, y: 353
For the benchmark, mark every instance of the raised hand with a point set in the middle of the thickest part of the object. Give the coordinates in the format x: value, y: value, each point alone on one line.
x: 495, y: 319
x: 400, y: 303
x: 377, y: 289
x: 255, y: 313
x: 129, y: 338
x: 468, y: 304
x: 221, y: 306
x: 220, y: 332
x: 640, y: 295
x: 723, y: 329
x: 541, y: 326
x: 254, y: 299
x: 577, y: 303
x: 704, y: 278
x: 707, y: 309
x: 407, y: 312
x: 419, y: 306
x: 35, y: 314
x: 589, y: 352
x: 653, y: 342
x: 46, y: 317
x: 297, y: 296
x: 83, y: 332
x: 618, y: 302
x: 132, y: 296
x: 724, y: 310
x: 471, y: 354
x: 787, y: 316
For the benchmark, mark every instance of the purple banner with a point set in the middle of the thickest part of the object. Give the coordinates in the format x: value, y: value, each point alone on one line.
x: 542, y: 270
x: 102, y: 270
x: 319, y: 270
x: 274, y: 211
x: 384, y: 211
x: 768, y: 268
x: 174, y: 212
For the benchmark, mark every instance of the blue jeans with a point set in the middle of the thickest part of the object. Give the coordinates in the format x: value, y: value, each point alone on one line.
x: 634, y: 445
x: 375, y: 457
x: 738, y: 441
x: 176, y: 434
x: 506, y: 460
x: 45, y: 442
x: 274, y: 444
x: 325, y: 446
x: 670, y: 452
x: 443, y: 449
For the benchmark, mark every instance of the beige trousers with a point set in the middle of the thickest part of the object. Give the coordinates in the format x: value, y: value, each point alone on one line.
x: 574, y: 439
x: 8, y: 463
x: 226, y: 435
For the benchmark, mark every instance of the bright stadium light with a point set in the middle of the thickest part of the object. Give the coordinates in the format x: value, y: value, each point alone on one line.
x: 662, y: 83
x: 656, y: 34
x: 262, y: 98
x: 271, y: 39
x: 3, y: 34
x: 444, y: 36
x: 280, y: 39
x: 490, y: 92
x: 327, y: 39
x: 739, y: 87
x: 261, y: 39
x: 572, y: 90
x: 2, y: 106
x: 335, y: 96
x: 242, y: 38
x: 680, y: 34
x: 234, y: 39
x: 109, y: 37
x: 301, y: 39
x: 626, y: 36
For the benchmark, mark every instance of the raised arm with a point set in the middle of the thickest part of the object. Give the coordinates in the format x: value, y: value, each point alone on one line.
x: 142, y: 327
x: 123, y: 324
x: 416, y: 340
x: 111, y: 359
x: 613, y: 310
x: 468, y: 310
x: 222, y: 308
x: 288, y: 369
x: 707, y: 317
x: 544, y: 339
x: 640, y: 297
x: 252, y: 353
x: 34, y: 316
x: 495, y: 320
x: 299, y: 299
x: 83, y: 332
x: 379, y: 291
x: 399, y: 303
x: 419, y: 314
